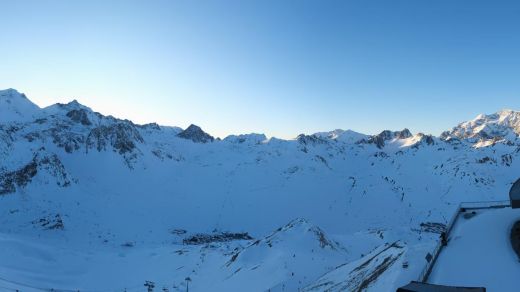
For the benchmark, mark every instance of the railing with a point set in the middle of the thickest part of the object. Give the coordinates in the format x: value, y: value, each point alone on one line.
x: 423, y: 276
x: 484, y: 205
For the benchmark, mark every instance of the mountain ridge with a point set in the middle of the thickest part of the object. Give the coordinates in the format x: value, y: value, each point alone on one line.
x: 483, y: 130
x: 85, y: 194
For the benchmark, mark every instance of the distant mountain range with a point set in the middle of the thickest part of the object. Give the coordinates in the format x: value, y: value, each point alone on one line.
x: 94, y: 202
x: 503, y: 126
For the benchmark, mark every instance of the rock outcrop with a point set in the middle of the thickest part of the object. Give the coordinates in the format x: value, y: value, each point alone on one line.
x: 195, y: 134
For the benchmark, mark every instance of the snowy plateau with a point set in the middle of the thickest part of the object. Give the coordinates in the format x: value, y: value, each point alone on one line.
x: 96, y: 203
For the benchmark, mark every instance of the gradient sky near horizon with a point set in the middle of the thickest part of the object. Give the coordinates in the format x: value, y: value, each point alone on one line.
x: 274, y: 67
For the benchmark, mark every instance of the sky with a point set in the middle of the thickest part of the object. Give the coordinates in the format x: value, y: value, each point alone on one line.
x: 276, y: 67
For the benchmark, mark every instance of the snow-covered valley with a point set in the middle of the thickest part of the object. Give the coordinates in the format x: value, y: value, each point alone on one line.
x: 96, y: 203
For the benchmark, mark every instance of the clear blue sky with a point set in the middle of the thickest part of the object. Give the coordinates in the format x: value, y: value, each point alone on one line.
x: 275, y: 67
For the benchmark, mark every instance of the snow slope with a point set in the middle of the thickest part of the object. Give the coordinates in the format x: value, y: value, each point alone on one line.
x: 97, y: 203
x: 15, y: 107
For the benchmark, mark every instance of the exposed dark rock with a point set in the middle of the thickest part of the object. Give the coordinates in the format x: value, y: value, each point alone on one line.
x: 322, y: 238
x: 10, y: 180
x: 32, y: 136
x: 486, y: 159
x: 433, y: 227
x: 151, y: 126
x: 372, y: 276
x: 50, y: 222
x: 66, y: 139
x: 507, y: 159
x: 79, y: 116
x: 424, y: 140
x: 10, y: 129
x: 203, y: 238
x: 310, y: 139
x: 53, y: 165
x: 429, y: 140
x: 20, y: 178
x: 121, y: 136
x: 405, y: 133
x: 178, y: 231
x: 381, y: 154
x: 195, y: 134
x: 445, y: 136
x: 128, y: 244
x: 292, y: 169
x: 322, y: 160
x: 386, y: 135
x: 378, y: 140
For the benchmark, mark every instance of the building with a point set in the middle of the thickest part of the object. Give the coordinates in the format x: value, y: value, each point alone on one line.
x: 514, y: 195
x: 425, y: 287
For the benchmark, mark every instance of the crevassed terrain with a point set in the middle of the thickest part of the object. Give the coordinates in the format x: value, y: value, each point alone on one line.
x: 96, y: 203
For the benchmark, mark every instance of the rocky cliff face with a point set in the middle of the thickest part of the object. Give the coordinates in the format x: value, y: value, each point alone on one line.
x: 380, y: 139
x: 42, y: 163
x: 195, y: 134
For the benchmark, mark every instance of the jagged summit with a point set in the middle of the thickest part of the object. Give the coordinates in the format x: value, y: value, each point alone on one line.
x: 502, y: 125
x: 16, y: 107
x: 484, y: 130
x: 380, y: 139
x: 75, y: 111
x: 73, y: 105
x: 63, y: 108
x: 196, y: 134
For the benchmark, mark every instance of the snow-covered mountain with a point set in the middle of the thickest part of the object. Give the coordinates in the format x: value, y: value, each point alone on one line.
x: 15, y: 106
x: 488, y: 129
x: 97, y: 203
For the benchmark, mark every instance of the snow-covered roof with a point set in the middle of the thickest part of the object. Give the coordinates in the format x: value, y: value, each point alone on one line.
x: 479, y: 252
x: 425, y: 287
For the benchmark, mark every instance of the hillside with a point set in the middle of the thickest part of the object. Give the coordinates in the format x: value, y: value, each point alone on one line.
x: 98, y: 203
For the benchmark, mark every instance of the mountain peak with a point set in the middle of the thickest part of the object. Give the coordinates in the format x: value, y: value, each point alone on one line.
x: 195, y: 134
x: 502, y: 125
x: 16, y: 107
x: 12, y: 94
x: 506, y: 111
x: 72, y: 105
x: 380, y: 139
x: 10, y: 91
